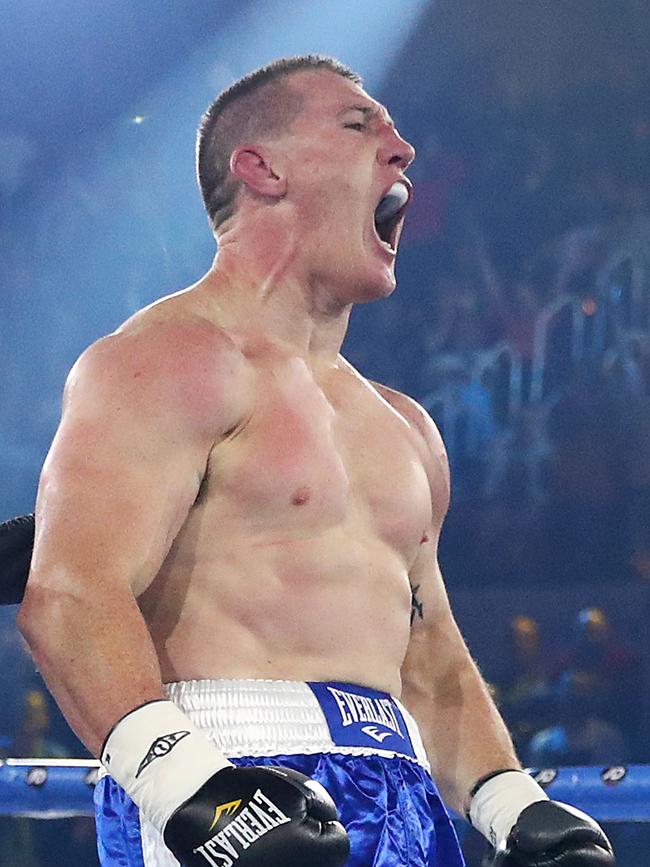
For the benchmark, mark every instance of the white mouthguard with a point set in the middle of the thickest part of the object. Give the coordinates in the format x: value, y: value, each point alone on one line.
x: 391, y: 203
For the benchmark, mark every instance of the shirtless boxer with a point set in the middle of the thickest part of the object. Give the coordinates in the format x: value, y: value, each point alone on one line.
x: 233, y: 511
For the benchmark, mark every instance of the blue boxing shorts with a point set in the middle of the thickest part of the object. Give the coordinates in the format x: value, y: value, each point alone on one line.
x: 361, y: 744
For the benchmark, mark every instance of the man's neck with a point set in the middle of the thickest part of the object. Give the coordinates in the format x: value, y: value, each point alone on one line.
x: 266, y: 289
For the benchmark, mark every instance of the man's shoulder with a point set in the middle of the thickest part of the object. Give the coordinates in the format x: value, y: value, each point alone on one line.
x: 411, y: 411
x: 428, y: 439
x: 180, y: 321
x: 174, y: 360
x: 171, y: 342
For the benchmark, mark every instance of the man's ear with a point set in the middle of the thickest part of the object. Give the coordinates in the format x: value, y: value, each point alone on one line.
x: 251, y: 164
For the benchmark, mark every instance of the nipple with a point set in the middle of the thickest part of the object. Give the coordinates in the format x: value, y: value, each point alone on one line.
x: 425, y: 538
x: 301, y: 496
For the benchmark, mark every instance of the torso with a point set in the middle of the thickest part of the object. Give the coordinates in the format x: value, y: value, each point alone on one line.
x: 293, y: 562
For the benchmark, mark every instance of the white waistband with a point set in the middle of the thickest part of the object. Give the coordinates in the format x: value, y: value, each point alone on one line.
x: 269, y: 717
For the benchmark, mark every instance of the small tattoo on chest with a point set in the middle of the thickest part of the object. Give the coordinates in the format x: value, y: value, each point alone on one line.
x: 417, y: 609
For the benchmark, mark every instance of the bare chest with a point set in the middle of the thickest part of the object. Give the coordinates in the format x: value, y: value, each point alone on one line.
x: 313, y: 458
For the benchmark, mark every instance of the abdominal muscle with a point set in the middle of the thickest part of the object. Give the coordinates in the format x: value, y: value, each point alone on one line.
x: 293, y: 563
x: 332, y: 607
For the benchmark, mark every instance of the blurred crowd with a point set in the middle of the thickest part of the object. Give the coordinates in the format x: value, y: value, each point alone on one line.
x: 522, y: 323
x: 32, y: 726
x: 573, y: 703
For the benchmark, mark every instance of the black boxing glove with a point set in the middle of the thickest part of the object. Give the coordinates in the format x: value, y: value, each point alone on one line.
x: 211, y: 813
x: 16, y: 545
x: 258, y: 817
x: 528, y: 830
x: 550, y: 834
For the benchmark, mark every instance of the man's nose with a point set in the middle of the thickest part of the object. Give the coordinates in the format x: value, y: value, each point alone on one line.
x: 395, y: 151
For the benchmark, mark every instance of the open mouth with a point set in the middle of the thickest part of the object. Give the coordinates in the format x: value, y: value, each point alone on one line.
x: 390, y: 212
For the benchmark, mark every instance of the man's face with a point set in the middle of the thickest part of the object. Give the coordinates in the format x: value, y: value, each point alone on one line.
x: 343, y: 155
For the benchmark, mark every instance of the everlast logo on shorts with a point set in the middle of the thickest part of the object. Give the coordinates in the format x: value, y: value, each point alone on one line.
x: 360, y: 709
x: 255, y: 820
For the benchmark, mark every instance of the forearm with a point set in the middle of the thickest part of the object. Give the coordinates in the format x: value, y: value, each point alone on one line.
x: 463, y: 732
x: 95, y: 654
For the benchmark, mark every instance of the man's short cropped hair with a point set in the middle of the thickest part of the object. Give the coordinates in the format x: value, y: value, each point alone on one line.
x: 254, y: 107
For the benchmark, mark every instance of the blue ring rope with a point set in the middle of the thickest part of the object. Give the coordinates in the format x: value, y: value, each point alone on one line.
x: 59, y: 788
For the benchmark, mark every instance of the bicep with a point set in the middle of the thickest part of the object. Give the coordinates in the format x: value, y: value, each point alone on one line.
x: 120, y: 477
x: 113, y: 494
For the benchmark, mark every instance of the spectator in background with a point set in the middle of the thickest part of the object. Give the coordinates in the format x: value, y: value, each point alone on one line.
x: 33, y: 737
x: 515, y: 305
x: 627, y: 370
x: 582, y: 736
x: 519, y: 456
x: 524, y: 686
x: 16, y: 676
x: 580, y: 253
x: 585, y: 509
x: 455, y: 322
x: 462, y: 407
x: 602, y: 675
x: 28, y: 841
x: 33, y: 842
x: 593, y: 699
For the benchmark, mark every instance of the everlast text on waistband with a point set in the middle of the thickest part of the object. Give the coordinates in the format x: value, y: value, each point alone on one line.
x: 360, y: 709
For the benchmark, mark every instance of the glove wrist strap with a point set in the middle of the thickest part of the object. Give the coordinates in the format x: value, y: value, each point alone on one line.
x: 159, y: 758
x: 498, y: 801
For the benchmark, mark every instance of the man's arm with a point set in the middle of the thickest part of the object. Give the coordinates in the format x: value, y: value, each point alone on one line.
x: 141, y: 413
x: 468, y: 745
x: 463, y: 732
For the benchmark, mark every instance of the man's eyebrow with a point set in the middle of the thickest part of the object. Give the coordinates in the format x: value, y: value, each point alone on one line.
x: 368, y: 112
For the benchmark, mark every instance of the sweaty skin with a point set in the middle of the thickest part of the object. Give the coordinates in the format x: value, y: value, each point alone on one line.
x: 293, y: 560
x: 227, y: 497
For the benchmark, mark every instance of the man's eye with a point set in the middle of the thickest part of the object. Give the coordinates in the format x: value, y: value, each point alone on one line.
x: 360, y: 127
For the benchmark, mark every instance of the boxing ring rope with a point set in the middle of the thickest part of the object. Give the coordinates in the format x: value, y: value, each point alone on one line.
x: 62, y: 788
